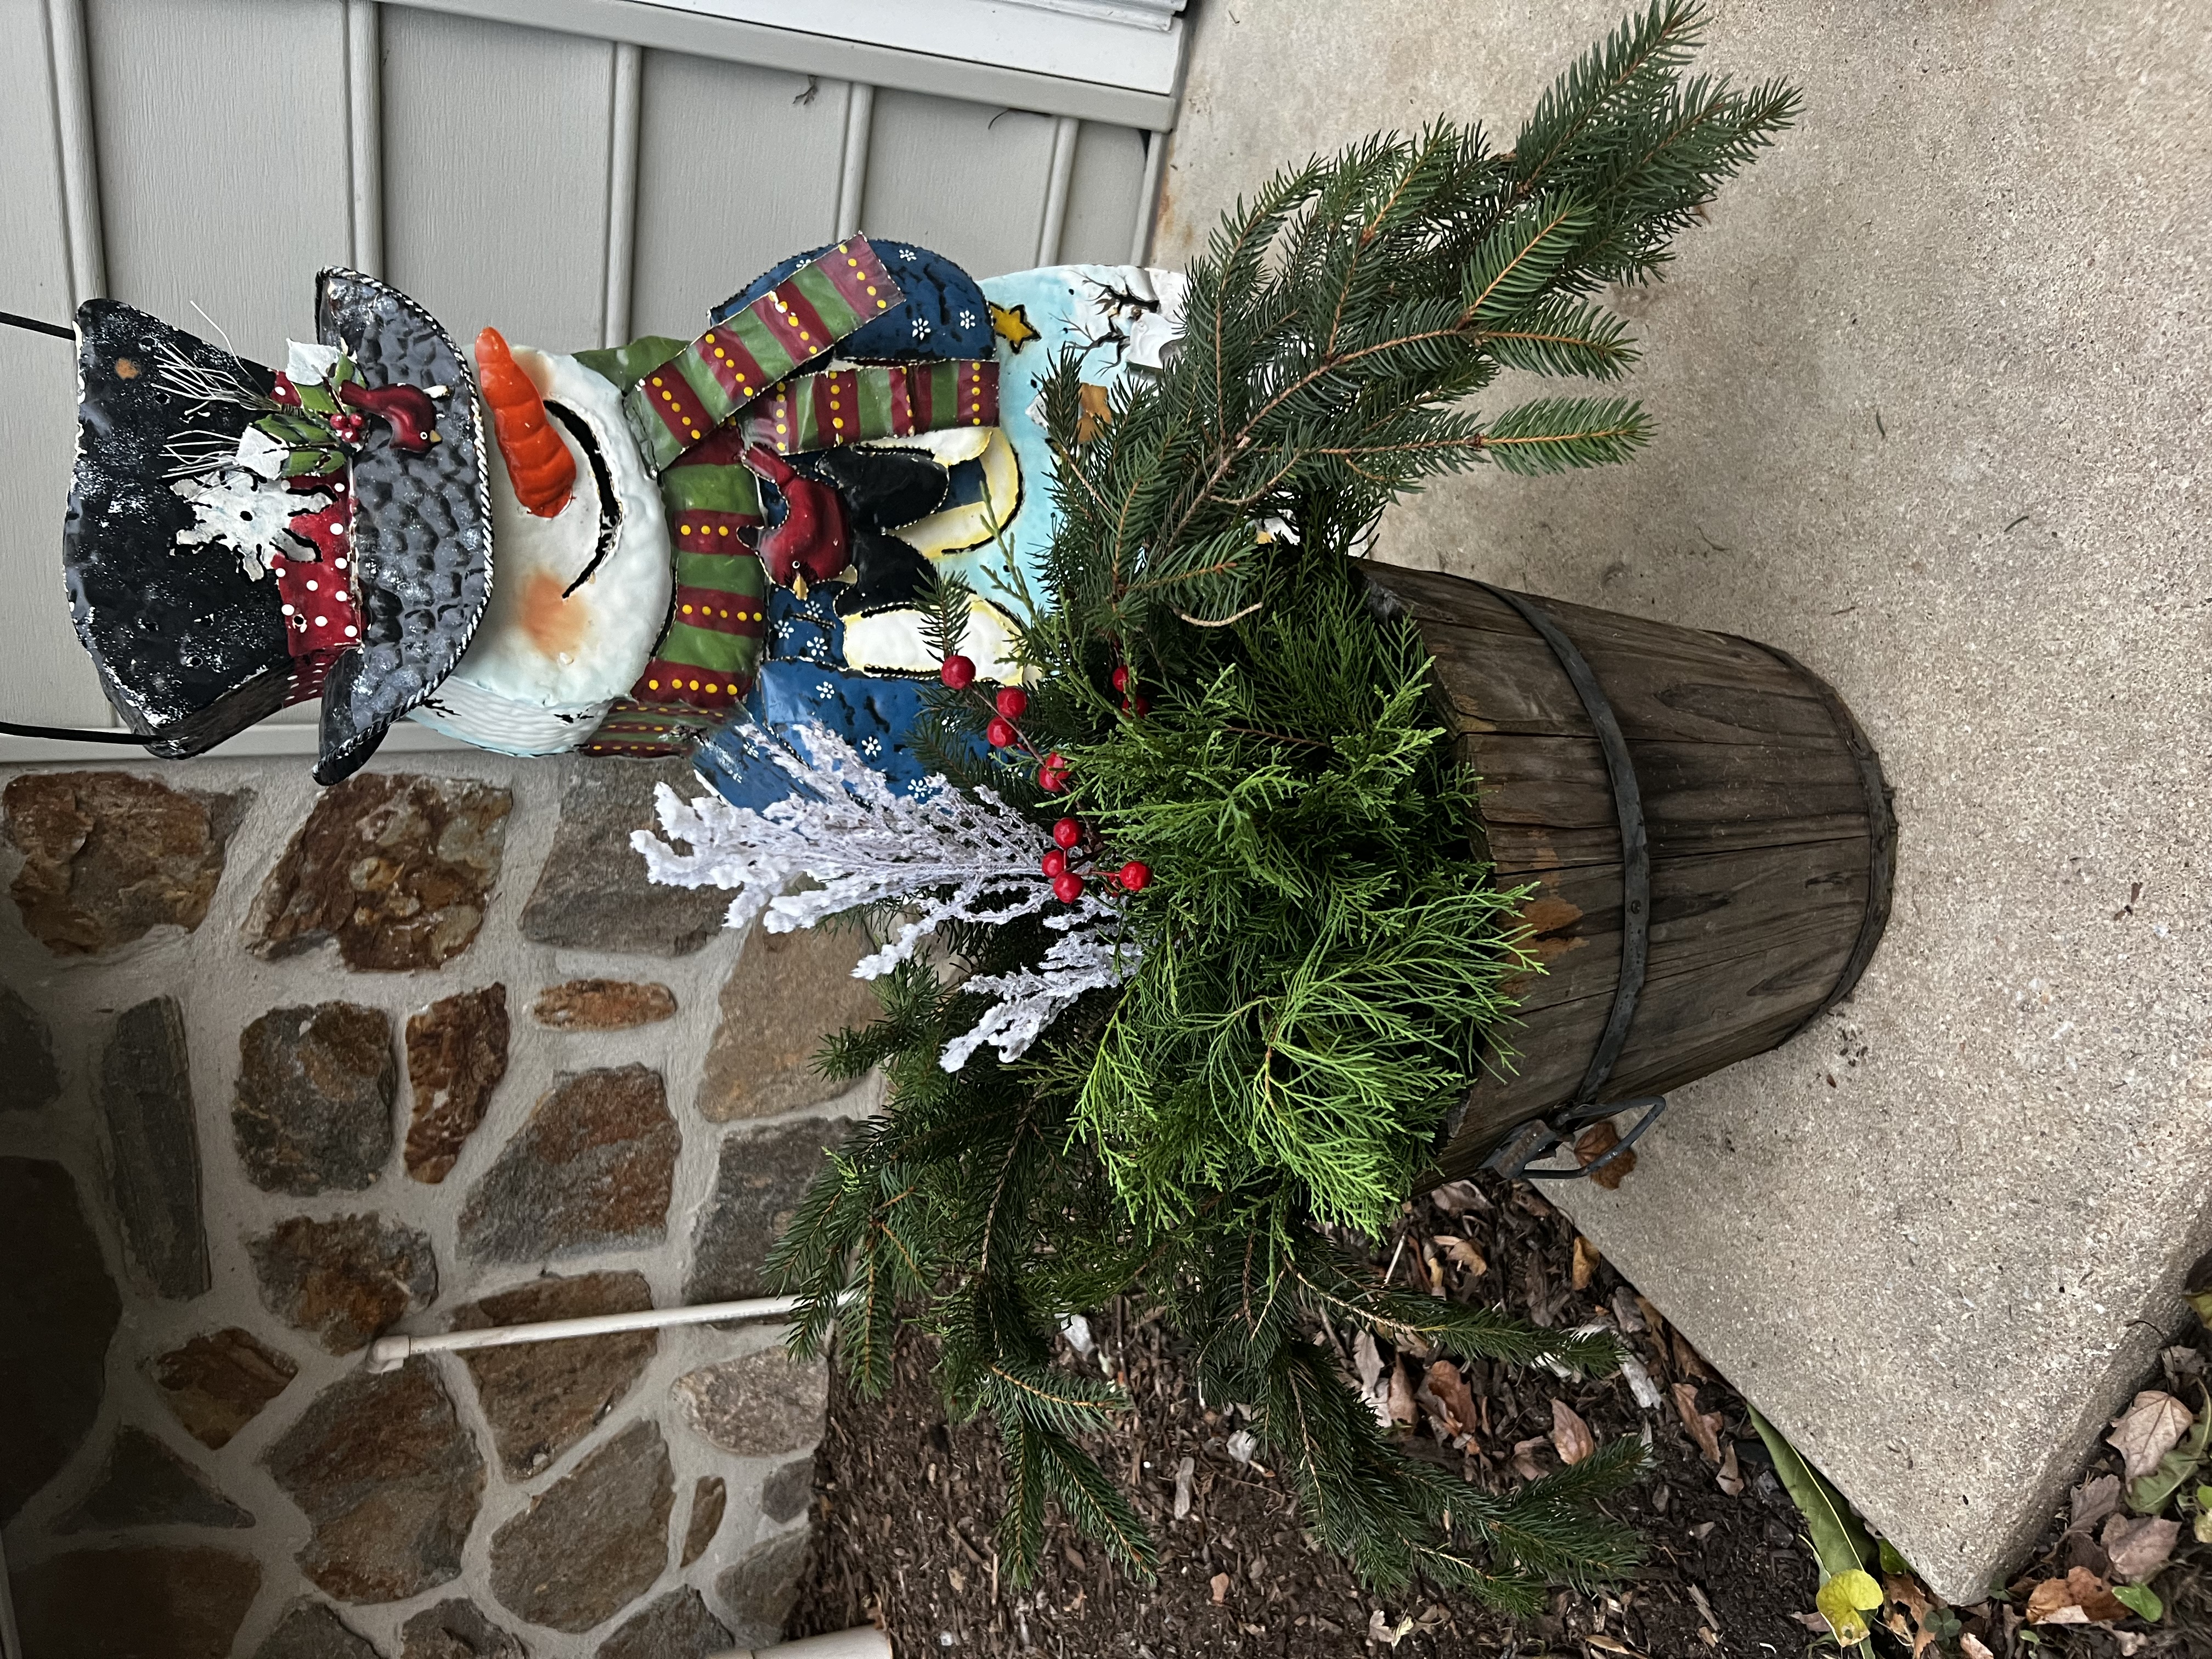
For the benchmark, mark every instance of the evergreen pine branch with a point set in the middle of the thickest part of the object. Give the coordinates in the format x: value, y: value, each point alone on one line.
x: 1021, y: 1528
x: 1098, y: 1507
x: 1555, y: 434
x: 1561, y: 336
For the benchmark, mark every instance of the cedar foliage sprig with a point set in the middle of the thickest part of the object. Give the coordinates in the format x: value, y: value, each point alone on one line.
x: 1323, y: 955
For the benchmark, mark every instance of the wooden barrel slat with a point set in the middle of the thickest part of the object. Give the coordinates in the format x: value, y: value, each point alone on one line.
x: 1769, y: 841
x: 1704, y: 910
x: 1523, y: 849
x: 1496, y: 685
x: 1697, y: 798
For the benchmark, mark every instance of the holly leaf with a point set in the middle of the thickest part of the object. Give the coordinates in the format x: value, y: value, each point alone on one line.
x: 1846, y: 1600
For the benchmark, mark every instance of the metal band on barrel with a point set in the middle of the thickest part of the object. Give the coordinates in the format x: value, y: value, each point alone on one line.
x: 1635, y: 845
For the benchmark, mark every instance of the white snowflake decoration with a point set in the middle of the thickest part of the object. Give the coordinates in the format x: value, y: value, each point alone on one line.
x: 921, y: 326
x: 966, y: 318
x: 942, y: 854
x: 246, y: 513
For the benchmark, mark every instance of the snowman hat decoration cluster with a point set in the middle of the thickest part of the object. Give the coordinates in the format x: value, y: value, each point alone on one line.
x: 638, y: 551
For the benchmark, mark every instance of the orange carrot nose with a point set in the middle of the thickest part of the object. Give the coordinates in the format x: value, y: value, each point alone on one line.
x: 539, y: 465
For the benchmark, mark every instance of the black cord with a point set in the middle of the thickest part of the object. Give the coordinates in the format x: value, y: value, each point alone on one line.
x: 36, y: 327
x: 71, y: 734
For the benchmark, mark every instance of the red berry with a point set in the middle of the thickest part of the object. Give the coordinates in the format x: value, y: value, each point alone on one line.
x: 1013, y: 702
x: 1137, y: 707
x: 958, y: 672
x: 1055, y: 864
x: 1134, y: 876
x: 1121, y: 677
x: 1052, y: 776
x: 1000, y: 734
x: 1068, y: 832
x: 1068, y: 888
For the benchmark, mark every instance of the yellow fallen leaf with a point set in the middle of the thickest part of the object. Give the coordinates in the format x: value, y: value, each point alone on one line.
x: 1846, y: 1600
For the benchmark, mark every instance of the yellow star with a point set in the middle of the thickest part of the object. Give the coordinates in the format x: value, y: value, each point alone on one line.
x: 1013, y: 326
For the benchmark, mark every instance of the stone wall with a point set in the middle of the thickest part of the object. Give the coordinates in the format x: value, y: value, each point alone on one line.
x: 281, y: 1069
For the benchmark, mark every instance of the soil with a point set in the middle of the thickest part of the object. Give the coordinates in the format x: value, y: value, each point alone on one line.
x: 907, y: 1501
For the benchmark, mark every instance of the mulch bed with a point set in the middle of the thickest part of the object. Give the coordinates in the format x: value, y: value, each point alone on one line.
x: 907, y: 1502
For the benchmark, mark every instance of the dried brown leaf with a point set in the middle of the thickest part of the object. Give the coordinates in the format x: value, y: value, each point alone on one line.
x: 2093, y: 1499
x: 1586, y: 1260
x: 1705, y: 1427
x: 1219, y: 1583
x: 1625, y: 1312
x: 1381, y: 1631
x: 1524, y: 1457
x: 1456, y: 1197
x: 1730, y: 1479
x: 1907, y: 1594
x: 1593, y: 1144
x: 2150, y: 1427
x: 1464, y: 1256
x: 1367, y: 1361
x: 1690, y: 1362
x: 1571, y: 1436
x: 2138, y: 1546
x: 1444, y: 1381
x: 1400, y: 1406
x: 2080, y: 1598
x: 1974, y: 1647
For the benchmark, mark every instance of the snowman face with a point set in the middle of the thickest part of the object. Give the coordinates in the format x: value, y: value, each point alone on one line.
x: 579, y: 595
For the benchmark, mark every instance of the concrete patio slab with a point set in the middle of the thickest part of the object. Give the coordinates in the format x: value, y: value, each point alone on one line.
x: 1933, y: 405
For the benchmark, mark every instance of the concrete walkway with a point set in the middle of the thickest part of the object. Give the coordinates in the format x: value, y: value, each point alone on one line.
x: 1934, y: 410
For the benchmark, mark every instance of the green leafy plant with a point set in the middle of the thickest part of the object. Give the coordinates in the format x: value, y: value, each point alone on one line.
x: 1315, y: 950
x: 1841, y: 1548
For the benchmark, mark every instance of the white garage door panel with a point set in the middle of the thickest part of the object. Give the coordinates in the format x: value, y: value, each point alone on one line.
x: 45, y: 678
x: 737, y: 167
x: 1101, y: 196
x: 495, y: 148
x: 963, y: 179
x: 220, y: 128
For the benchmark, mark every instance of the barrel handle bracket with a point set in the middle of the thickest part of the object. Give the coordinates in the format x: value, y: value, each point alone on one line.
x: 1540, y: 1138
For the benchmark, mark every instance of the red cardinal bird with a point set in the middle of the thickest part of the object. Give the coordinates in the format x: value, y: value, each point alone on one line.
x: 811, y: 539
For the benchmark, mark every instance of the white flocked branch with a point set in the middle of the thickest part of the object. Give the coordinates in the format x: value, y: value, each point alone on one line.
x: 936, y: 853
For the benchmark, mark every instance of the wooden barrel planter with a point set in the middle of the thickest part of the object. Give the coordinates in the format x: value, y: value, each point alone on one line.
x: 1706, y: 830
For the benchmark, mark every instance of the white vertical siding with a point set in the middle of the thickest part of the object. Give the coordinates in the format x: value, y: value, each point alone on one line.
x: 737, y: 166
x: 43, y: 678
x: 495, y: 148
x: 221, y: 133
x: 570, y: 190
x: 965, y: 179
x: 1102, y: 195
